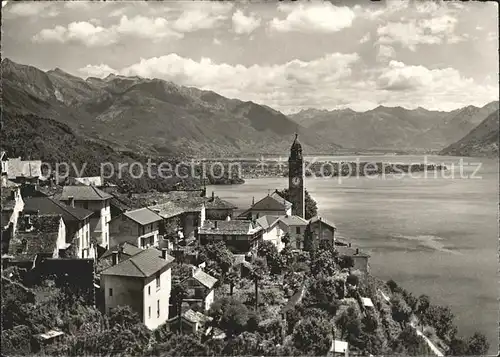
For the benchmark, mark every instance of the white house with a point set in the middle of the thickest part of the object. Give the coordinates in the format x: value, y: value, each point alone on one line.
x: 271, y: 230
x: 95, y: 200
x: 143, y: 282
x: 38, y: 236
x: 76, y: 220
x: 271, y: 205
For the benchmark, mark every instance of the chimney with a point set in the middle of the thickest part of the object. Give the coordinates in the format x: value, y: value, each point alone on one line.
x: 213, y: 196
x: 164, y: 253
x: 215, y: 224
x: 349, y: 245
x: 71, y: 200
x: 115, y: 257
x: 357, y: 251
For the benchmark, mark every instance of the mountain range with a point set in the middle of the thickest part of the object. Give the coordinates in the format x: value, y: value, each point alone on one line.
x: 158, y: 118
x: 394, y: 127
x: 151, y: 116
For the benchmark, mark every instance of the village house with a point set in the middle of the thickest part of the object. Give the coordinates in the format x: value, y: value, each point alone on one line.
x: 271, y: 230
x: 76, y: 220
x: 182, y: 215
x: 218, y: 209
x: 295, y: 227
x: 140, y: 227
x: 240, y: 236
x: 192, y: 322
x: 200, y: 289
x: 38, y: 237
x: 96, y: 181
x: 359, y: 258
x: 143, y: 282
x: 23, y: 171
x: 11, y: 204
x: 318, y: 231
x: 338, y: 349
x: 273, y: 205
x: 95, y: 200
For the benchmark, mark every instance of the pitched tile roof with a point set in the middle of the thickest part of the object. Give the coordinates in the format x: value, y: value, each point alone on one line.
x: 91, y: 180
x: 84, y: 193
x: 367, y: 302
x: 228, y: 227
x: 41, y: 239
x: 293, y: 221
x: 349, y: 251
x: 167, y: 209
x: 280, y: 198
x: 322, y: 220
x: 48, y: 205
x: 141, y: 265
x: 126, y: 250
x: 8, y: 202
x: 196, y: 317
x: 267, y: 221
x: 205, y: 279
x: 23, y: 168
x: 143, y: 216
x: 270, y: 203
x: 218, y: 203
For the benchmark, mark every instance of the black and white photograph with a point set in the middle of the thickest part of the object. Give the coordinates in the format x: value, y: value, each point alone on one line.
x: 250, y: 178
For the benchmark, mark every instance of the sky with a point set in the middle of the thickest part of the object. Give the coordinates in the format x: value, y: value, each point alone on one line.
x: 287, y: 55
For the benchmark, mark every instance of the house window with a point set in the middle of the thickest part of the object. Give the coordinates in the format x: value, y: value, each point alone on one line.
x: 149, y: 290
x: 110, y: 292
x: 149, y: 311
x: 297, y: 230
x: 158, y: 308
x: 86, y: 205
x: 157, y: 281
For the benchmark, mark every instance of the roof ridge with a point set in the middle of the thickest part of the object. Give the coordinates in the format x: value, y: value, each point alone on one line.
x: 64, y: 207
x: 133, y: 262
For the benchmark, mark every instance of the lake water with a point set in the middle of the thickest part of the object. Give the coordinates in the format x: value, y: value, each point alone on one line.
x: 432, y: 235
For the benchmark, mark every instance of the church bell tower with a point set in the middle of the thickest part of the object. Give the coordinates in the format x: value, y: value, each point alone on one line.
x: 296, y: 179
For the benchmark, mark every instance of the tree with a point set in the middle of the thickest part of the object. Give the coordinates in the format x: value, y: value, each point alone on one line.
x: 312, y: 336
x: 324, y: 263
x: 442, y: 319
x: 269, y: 251
x: 286, y: 239
x: 179, y: 294
x: 423, y: 304
x: 346, y: 262
x: 414, y: 344
x: 350, y: 325
x: 324, y: 293
x: 311, y: 208
x: 401, y: 312
x: 257, y: 272
x: 232, y: 279
x: 220, y: 257
x: 229, y: 314
x: 458, y: 347
x: 477, y: 345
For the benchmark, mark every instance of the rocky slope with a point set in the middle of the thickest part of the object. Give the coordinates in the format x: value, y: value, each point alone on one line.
x: 481, y: 141
x: 152, y: 116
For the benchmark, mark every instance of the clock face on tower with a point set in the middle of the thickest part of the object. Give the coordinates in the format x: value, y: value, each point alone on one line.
x: 296, y: 181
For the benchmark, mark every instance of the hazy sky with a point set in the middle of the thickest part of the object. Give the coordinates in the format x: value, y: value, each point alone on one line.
x: 289, y: 56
